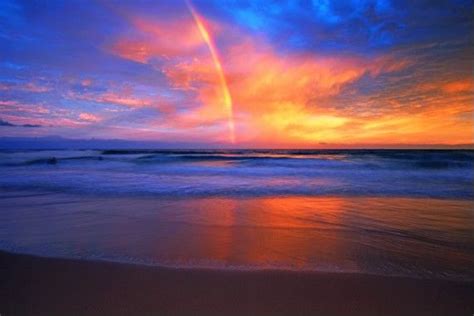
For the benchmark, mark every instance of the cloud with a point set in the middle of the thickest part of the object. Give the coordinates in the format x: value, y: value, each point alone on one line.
x: 26, y: 109
x: 38, y: 115
x: 27, y: 87
x: 151, y: 39
x: 298, y: 73
x: 5, y: 123
x: 291, y: 97
x: 459, y: 86
x: 89, y: 117
x: 272, y: 93
x: 116, y: 98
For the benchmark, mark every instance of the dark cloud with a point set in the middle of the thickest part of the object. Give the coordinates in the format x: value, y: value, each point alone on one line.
x: 6, y: 123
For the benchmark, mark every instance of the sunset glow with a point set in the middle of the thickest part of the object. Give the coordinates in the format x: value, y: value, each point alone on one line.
x: 226, y: 98
x: 355, y: 74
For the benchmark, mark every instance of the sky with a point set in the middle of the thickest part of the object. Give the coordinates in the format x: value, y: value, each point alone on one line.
x: 239, y: 73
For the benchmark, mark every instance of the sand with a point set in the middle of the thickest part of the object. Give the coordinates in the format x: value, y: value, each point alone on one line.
x: 47, y: 286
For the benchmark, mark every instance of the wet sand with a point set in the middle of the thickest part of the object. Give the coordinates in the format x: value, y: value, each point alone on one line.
x: 45, y: 286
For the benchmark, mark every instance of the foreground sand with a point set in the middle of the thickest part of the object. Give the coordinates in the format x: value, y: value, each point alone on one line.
x: 44, y: 286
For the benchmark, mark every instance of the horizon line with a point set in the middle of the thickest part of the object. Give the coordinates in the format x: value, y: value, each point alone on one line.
x: 59, y: 142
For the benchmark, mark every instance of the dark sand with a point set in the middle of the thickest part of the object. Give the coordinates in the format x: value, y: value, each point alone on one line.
x: 44, y: 286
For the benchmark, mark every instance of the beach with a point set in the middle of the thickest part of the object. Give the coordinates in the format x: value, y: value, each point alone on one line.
x: 45, y: 286
x: 236, y: 233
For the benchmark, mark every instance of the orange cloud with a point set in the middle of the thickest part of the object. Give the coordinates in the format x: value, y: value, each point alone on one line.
x: 464, y: 85
x: 292, y: 99
x: 279, y: 98
x: 459, y: 86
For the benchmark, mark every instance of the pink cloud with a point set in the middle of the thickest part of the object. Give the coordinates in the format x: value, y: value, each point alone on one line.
x: 28, y: 87
x: 89, y: 117
x: 164, y: 39
x: 86, y: 82
x: 37, y: 114
x: 15, y: 106
x: 116, y: 98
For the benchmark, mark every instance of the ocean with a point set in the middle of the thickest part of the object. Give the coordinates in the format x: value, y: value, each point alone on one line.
x: 389, y: 212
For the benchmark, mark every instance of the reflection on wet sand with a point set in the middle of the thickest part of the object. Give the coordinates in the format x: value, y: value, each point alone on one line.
x: 424, y: 237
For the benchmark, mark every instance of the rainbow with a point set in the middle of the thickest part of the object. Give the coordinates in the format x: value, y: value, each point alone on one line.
x: 218, y: 65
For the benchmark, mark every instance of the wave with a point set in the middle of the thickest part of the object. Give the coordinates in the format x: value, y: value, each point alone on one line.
x: 52, y: 160
x: 244, y: 172
x: 416, y: 159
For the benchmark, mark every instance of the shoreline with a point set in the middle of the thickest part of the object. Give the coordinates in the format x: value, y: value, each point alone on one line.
x: 34, y: 285
x: 237, y: 269
x: 34, y: 192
